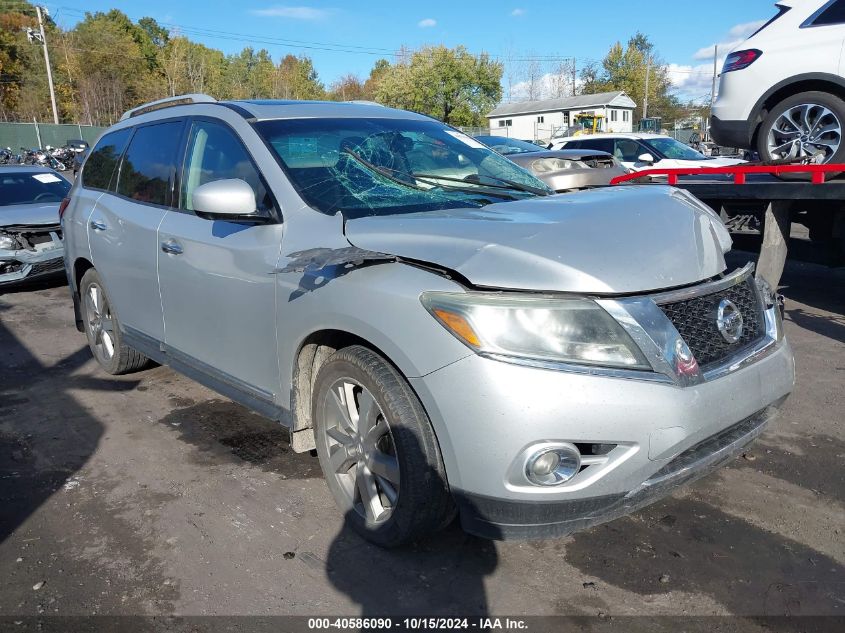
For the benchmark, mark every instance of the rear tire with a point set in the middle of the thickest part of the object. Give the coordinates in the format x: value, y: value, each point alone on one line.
x: 377, y: 449
x: 103, y: 329
x: 794, y: 128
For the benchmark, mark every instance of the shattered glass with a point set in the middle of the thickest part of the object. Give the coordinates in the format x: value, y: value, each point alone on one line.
x: 363, y: 167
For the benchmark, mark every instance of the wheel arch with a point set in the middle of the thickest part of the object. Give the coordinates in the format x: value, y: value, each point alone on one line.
x: 312, y: 352
x: 310, y: 355
x: 80, y: 266
x: 821, y: 82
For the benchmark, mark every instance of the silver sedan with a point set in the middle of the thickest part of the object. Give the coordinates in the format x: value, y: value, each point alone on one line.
x: 562, y: 170
x: 30, y: 234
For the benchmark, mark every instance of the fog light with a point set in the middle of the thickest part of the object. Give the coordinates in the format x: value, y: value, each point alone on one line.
x: 551, y: 466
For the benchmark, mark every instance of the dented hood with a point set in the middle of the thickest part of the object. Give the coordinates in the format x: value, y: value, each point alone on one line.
x: 613, y: 240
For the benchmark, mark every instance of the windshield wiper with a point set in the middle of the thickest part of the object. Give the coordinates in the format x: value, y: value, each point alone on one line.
x: 475, y: 179
x: 383, y: 171
x: 391, y: 174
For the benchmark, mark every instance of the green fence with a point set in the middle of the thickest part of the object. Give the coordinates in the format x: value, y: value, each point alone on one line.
x: 17, y: 135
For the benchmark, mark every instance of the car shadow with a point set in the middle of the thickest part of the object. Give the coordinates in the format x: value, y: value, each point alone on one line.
x: 441, y: 575
x: 33, y: 465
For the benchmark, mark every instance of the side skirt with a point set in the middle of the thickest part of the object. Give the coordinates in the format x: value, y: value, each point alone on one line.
x: 257, y: 400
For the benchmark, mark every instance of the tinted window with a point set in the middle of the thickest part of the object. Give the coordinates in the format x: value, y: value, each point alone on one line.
x: 215, y: 153
x: 600, y: 144
x: 149, y: 166
x: 31, y: 188
x: 834, y: 14
x: 99, y: 167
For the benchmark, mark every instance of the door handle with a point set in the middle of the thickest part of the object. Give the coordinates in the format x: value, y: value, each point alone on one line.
x: 97, y: 225
x: 171, y: 247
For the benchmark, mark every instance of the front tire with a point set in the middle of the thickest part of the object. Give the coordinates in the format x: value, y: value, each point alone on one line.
x: 103, y: 329
x: 377, y: 449
x: 803, y: 126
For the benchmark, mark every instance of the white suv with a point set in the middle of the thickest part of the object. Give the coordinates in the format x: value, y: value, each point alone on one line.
x: 781, y: 91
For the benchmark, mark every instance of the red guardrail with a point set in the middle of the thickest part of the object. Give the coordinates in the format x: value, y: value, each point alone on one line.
x: 739, y: 172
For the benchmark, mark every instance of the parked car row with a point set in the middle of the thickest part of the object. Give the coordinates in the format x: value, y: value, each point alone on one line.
x: 449, y: 335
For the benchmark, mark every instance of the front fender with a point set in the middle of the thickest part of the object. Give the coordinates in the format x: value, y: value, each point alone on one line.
x: 378, y: 303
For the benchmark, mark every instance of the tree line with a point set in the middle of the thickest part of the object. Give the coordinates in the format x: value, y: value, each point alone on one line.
x: 107, y: 64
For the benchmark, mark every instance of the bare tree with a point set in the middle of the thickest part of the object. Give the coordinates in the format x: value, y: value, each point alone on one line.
x: 562, y: 79
x: 534, y: 79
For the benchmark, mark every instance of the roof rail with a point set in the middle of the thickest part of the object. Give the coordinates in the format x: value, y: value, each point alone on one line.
x: 167, y: 102
x: 364, y: 102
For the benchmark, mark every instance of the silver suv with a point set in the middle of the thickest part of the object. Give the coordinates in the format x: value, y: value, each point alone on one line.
x: 449, y: 336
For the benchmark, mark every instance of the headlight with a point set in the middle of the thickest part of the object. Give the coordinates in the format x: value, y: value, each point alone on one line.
x: 570, y: 330
x: 8, y: 242
x: 545, y: 165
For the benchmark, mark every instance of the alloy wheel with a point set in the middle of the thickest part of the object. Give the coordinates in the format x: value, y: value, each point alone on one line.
x: 100, y: 322
x: 361, y: 451
x: 805, y: 130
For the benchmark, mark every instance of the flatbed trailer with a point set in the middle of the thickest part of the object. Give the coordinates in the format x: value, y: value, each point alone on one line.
x: 759, y: 185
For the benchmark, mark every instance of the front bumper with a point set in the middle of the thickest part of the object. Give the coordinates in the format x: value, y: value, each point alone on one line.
x: 489, y: 414
x: 498, y: 519
x: 26, y: 265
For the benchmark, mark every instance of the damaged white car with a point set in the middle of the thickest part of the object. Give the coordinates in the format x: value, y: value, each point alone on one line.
x: 30, y: 234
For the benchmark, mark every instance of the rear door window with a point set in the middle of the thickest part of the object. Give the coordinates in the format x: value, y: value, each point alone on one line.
x: 600, y: 144
x: 100, y: 166
x: 148, y: 171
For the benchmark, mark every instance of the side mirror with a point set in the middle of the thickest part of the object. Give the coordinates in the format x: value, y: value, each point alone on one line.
x: 227, y: 199
x: 645, y: 158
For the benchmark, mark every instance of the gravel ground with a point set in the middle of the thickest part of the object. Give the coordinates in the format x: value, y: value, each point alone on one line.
x: 148, y: 494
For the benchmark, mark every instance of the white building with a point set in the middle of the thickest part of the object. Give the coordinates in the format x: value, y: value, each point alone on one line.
x: 532, y: 120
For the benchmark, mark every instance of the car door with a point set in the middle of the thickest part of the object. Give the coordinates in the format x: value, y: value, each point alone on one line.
x: 123, y: 228
x: 216, y: 276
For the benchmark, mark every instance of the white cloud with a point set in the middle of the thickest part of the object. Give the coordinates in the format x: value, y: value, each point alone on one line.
x: 294, y: 13
x: 518, y: 12
x: 427, y: 23
x: 735, y: 36
x: 694, y: 82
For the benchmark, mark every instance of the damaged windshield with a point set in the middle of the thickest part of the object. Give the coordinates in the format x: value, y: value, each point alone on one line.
x: 383, y: 166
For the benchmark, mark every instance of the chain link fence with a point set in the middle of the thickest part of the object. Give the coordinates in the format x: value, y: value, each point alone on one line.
x: 30, y: 135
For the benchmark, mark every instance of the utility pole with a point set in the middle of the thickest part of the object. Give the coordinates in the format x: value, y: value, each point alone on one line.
x: 574, y: 74
x: 47, y: 62
x: 712, y: 89
x: 647, y: 75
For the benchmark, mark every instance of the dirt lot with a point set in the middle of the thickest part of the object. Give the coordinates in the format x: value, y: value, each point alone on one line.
x: 149, y: 494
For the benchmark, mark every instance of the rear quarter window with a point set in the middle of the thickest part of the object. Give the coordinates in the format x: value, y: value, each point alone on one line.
x: 100, y: 166
x: 833, y: 13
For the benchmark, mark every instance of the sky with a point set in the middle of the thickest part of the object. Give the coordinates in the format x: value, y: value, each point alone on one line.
x: 348, y: 37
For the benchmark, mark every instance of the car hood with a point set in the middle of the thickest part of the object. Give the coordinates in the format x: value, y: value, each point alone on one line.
x: 613, y: 240
x: 30, y: 214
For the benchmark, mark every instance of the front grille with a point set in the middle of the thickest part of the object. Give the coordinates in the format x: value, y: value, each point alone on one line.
x: 50, y: 266
x: 695, y: 320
